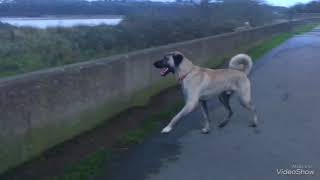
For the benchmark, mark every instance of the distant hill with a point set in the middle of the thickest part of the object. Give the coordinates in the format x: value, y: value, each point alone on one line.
x: 34, y: 8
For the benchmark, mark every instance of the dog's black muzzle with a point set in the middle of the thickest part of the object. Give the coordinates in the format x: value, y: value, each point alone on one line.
x: 159, y: 64
x: 164, y: 66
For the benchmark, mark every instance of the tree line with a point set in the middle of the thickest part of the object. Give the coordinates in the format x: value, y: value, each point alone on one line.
x: 312, y: 7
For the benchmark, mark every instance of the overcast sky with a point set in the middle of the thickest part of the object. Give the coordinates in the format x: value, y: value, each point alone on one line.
x: 286, y: 3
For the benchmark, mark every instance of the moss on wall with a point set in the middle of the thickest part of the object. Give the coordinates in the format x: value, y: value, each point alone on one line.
x: 38, y: 140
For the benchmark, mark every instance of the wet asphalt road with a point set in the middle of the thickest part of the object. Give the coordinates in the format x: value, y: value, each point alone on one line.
x: 286, y: 92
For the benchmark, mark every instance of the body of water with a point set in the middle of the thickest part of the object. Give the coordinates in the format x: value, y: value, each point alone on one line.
x: 61, y: 22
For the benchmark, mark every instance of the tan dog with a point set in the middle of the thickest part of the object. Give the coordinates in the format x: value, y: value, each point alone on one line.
x: 200, y: 84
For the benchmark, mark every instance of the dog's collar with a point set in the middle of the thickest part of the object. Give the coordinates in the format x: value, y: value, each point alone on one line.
x: 181, y: 78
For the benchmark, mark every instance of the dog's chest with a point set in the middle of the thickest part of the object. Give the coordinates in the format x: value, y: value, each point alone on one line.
x: 184, y: 91
x: 201, y: 90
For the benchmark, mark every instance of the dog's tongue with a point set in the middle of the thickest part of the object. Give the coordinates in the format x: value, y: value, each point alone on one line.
x: 163, y: 71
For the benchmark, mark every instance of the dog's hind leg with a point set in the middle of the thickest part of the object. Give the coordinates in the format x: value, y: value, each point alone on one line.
x: 206, y: 119
x: 245, y: 101
x: 224, y: 98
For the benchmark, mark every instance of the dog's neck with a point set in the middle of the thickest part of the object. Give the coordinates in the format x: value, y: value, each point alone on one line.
x: 184, y: 70
x: 181, y: 78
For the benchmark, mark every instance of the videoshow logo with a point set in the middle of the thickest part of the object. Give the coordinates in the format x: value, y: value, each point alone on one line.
x: 297, y: 170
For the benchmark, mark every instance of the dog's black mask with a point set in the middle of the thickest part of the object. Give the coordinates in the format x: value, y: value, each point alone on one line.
x: 165, y: 65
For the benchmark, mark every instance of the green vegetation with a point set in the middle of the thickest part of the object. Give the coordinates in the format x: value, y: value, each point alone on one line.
x: 258, y: 51
x: 304, y: 29
x: 93, y: 165
x: 138, y: 136
x: 87, y: 168
x: 311, y: 7
x: 27, y: 49
x: 261, y: 49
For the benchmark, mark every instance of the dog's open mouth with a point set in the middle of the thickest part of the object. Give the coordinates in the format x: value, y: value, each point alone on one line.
x: 164, y: 71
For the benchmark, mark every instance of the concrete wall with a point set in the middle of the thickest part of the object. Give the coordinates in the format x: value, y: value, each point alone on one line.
x: 41, y: 109
x: 305, y: 15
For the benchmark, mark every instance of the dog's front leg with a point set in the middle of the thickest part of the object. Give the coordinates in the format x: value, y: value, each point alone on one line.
x: 205, y: 113
x: 189, y: 107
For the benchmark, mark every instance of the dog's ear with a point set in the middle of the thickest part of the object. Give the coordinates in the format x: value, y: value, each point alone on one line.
x: 177, y: 59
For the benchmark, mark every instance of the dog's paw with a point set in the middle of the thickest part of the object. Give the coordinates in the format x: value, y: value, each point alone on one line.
x: 166, y: 130
x: 253, y: 125
x: 205, y: 130
x: 223, y: 124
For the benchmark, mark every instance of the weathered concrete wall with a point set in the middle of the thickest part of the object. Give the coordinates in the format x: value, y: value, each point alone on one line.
x: 305, y: 15
x: 41, y: 109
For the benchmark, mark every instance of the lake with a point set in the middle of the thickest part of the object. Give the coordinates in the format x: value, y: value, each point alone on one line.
x: 49, y: 22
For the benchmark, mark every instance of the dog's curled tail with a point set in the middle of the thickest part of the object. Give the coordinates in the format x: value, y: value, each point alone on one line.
x: 241, y: 62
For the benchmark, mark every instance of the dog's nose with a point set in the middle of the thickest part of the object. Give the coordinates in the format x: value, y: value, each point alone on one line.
x: 157, y: 64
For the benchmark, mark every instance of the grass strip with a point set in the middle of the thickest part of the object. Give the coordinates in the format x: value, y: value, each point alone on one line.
x: 261, y: 49
x: 88, y: 168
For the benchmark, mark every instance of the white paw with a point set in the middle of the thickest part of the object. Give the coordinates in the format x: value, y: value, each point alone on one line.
x: 205, y: 130
x: 166, y: 130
